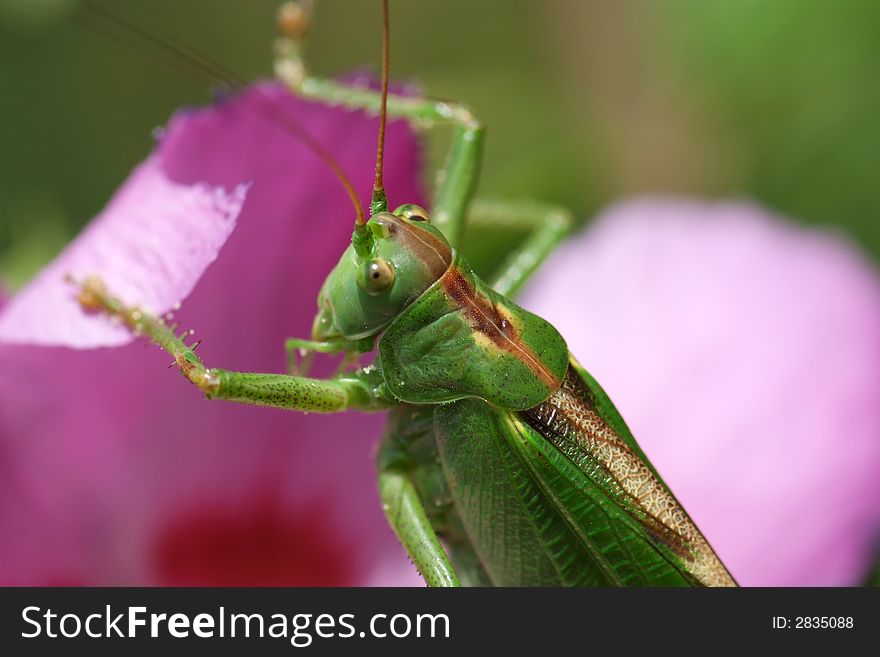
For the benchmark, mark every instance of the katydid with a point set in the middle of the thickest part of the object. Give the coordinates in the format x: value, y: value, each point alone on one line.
x: 504, y: 462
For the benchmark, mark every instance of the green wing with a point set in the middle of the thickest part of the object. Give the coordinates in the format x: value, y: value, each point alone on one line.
x: 561, y: 494
x: 708, y: 567
x: 537, y: 519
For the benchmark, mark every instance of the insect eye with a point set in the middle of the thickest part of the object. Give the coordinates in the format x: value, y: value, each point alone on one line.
x: 412, y: 212
x: 376, y: 277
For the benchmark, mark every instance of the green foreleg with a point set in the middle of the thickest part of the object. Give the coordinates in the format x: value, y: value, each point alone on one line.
x: 353, y: 391
x: 364, y: 389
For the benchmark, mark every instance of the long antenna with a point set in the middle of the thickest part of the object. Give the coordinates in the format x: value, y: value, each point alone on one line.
x: 362, y: 239
x: 201, y: 67
x: 380, y: 203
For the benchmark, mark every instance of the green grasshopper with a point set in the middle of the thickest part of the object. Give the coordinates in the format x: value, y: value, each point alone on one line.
x: 504, y: 462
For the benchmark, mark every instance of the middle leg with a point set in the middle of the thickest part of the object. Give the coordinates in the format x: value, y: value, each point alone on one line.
x: 547, y: 226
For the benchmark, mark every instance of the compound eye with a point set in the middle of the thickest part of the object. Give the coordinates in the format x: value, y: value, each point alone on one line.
x: 412, y: 212
x: 377, y: 276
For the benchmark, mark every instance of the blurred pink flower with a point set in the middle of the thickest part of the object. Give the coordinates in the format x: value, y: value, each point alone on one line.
x: 113, y: 470
x: 741, y: 349
x: 743, y: 352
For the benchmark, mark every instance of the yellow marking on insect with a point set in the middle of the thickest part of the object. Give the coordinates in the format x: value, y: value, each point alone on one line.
x: 493, y: 324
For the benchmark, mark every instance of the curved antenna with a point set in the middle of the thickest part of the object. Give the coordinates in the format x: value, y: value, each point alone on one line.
x: 380, y: 203
x: 202, y: 68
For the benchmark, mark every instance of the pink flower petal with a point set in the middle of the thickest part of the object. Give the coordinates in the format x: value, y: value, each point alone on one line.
x: 150, y: 245
x: 742, y: 350
x: 114, y: 470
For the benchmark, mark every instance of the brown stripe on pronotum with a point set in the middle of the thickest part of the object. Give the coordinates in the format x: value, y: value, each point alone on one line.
x: 433, y: 251
x: 491, y: 321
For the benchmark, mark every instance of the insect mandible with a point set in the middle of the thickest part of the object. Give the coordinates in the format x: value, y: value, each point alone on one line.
x: 503, y: 462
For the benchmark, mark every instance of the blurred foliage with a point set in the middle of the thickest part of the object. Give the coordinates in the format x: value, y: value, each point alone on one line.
x: 873, y: 578
x: 585, y: 100
x: 795, y: 84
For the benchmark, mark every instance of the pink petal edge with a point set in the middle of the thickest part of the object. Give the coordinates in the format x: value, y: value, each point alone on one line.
x: 154, y: 268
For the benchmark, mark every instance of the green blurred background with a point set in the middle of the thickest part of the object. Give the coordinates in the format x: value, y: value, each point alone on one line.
x: 586, y: 100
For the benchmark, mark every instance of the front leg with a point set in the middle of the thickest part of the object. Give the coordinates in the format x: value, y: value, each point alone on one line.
x: 363, y: 390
